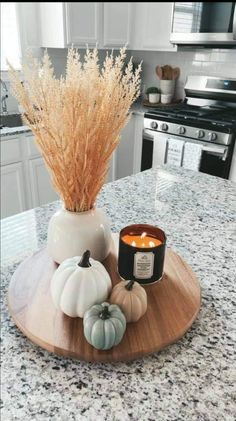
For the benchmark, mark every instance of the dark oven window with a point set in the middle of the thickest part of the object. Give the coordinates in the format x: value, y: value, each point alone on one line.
x: 214, y: 165
x: 147, y: 153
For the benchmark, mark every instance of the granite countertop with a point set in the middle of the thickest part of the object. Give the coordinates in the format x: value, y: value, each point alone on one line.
x: 192, y: 380
x: 9, y: 131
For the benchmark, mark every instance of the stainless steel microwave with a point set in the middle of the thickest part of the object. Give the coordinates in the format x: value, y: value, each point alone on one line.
x: 204, y: 23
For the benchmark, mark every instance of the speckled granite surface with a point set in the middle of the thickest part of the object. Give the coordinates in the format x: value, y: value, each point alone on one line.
x: 192, y: 380
x: 10, y: 131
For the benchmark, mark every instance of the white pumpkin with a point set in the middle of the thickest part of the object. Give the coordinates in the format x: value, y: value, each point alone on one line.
x: 78, y: 284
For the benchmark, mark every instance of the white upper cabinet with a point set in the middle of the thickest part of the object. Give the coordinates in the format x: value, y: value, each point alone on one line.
x: 116, y: 24
x: 63, y: 24
x: 52, y: 24
x: 82, y: 23
x: 152, y: 26
x: 139, y: 25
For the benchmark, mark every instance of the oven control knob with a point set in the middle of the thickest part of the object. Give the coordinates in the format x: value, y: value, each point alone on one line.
x: 164, y: 127
x: 181, y: 130
x: 154, y: 125
x: 212, y: 136
x: 200, y: 133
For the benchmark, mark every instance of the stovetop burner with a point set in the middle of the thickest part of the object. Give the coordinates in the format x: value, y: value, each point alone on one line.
x: 213, y: 115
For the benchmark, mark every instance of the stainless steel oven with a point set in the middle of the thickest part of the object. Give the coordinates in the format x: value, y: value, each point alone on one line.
x: 201, y: 119
x: 215, y: 158
x: 204, y: 23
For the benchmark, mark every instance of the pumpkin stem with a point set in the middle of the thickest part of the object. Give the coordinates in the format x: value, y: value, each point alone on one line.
x: 129, y: 286
x: 105, y: 313
x: 84, y: 262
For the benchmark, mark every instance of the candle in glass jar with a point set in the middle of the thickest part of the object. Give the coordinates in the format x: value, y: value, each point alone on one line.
x: 143, y: 240
x: 141, y: 253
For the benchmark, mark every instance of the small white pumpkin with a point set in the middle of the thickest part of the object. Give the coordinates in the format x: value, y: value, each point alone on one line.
x: 78, y: 284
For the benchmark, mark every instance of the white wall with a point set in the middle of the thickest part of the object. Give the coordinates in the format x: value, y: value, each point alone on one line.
x: 210, y: 62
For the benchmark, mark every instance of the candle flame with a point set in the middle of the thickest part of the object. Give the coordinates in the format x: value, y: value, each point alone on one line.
x: 151, y: 244
x: 133, y: 243
x: 143, y: 235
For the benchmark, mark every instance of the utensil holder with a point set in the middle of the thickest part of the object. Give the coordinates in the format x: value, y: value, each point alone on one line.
x: 167, y: 87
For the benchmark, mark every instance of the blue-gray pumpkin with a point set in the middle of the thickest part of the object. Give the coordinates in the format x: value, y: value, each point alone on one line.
x: 104, y: 325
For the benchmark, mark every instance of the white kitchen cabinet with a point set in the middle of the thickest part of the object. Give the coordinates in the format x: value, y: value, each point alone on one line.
x: 30, y: 148
x: 111, y: 175
x: 82, y: 23
x: 63, y: 24
x: 28, y: 26
x: 128, y: 153
x: 13, y: 196
x: 139, y: 25
x: 25, y: 181
x: 52, y: 24
x: 138, y: 142
x: 152, y: 26
x: 10, y: 150
x: 232, y: 174
x: 117, y: 24
x: 41, y: 188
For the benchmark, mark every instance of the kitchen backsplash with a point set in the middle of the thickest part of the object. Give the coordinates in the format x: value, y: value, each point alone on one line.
x: 215, y: 62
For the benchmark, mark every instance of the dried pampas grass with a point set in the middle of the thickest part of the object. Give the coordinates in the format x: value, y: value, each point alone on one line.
x: 77, y: 119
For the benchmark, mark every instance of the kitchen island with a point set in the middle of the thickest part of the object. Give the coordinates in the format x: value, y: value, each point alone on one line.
x: 193, y: 379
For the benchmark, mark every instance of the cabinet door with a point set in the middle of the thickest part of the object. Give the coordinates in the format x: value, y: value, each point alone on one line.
x: 116, y: 24
x: 111, y: 175
x: 32, y: 151
x: 52, y: 24
x: 11, y: 150
x: 153, y: 26
x: 42, y: 191
x: 12, y: 189
x: 232, y: 174
x: 125, y: 151
x: 138, y: 142
x: 82, y: 23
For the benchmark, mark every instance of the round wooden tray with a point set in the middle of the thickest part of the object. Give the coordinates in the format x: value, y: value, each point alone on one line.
x: 173, y: 305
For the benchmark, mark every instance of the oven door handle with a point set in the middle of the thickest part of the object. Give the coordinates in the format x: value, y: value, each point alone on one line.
x: 149, y: 132
x: 222, y: 152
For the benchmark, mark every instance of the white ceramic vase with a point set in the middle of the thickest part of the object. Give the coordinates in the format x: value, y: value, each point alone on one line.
x: 72, y: 233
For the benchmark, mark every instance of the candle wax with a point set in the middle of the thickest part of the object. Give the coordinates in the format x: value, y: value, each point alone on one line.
x: 143, y: 240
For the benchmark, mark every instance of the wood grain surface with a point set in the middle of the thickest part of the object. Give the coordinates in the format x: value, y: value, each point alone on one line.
x: 173, y: 305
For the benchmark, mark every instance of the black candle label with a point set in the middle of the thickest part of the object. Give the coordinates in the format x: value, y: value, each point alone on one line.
x: 143, y: 265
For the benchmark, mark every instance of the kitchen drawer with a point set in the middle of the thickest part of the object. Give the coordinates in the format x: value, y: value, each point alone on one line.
x: 11, y: 150
x: 31, y: 148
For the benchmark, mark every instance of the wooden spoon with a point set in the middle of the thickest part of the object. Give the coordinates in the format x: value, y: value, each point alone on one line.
x: 159, y: 72
x: 176, y: 73
x: 167, y: 72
